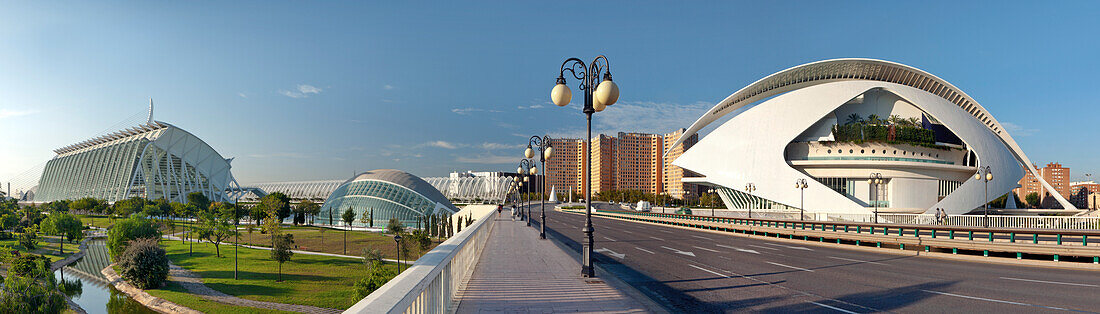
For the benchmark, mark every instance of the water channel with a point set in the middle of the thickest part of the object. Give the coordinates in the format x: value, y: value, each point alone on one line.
x: 94, y: 294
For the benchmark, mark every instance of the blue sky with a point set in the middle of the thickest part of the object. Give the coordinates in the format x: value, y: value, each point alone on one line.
x: 307, y: 90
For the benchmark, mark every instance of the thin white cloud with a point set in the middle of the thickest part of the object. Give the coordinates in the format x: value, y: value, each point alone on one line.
x: 469, y: 110
x: 294, y: 155
x: 442, y: 144
x: 640, y: 116
x: 488, y: 159
x: 387, y: 87
x: 302, y: 91
x: 8, y: 113
x: 530, y: 107
x: 1017, y: 130
x: 242, y: 95
x: 500, y: 146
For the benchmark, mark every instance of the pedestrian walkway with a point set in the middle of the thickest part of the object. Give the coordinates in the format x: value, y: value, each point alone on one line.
x: 518, y: 272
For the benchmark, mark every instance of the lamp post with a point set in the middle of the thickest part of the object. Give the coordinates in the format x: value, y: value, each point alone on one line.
x: 874, y: 180
x: 985, y: 174
x: 526, y: 166
x: 596, y: 99
x: 545, y: 151
x: 801, y: 185
x: 711, y: 191
x: 750, y: 188
x: 397, y: 238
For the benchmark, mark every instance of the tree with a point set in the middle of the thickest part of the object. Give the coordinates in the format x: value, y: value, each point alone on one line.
x: 133, y: 228
x: 129, y: 206
x: 216, y: 229
x: 854, y: 118
x: 874, y: 119
x: 29, y: 238
x: 371, y: 220
x: 272, y: 222
x: 1032, y: 199
x: 278, y: 203
x: 349, y: 216
x: 30, y: 287
x: 199, y: 200
x: 377, y: 274
x: 150, y: 210
x: 394, y: 226
x: 363, y: 219
x: 144, y: 264
x: 65, y: 225
x: 309, y: 208
x: 280, y: 250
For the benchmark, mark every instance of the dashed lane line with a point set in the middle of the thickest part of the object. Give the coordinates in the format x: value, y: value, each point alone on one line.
x: 644, y: 250
x: 709, y: 271
x: 610, y: 239
x: 764, y: 247
x: 1001, y: 301
x: 1051, y: 282
x: 656, y: 238
x: 858, y: 261
x: 701, y: 237
x: 833, y: 308
x: 706, y: 249
x: 789, y: 266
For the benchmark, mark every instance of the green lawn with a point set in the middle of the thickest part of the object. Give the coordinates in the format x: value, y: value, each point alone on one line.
x: 47, y: 246
x: 308, y: 279
x: 179, y: 295
x: 309, y: 239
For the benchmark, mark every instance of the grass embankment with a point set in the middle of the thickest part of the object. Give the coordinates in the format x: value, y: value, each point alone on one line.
x: 321, y: 281
x: 47, y: 245
x: 309, y: 239
x: 179, y: 295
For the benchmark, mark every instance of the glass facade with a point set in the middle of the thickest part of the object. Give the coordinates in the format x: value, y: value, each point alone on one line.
x: 385, y: 199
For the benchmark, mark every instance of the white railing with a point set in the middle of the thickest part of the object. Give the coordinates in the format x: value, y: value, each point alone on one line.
x: 430, y: 284
x: 994, y: 221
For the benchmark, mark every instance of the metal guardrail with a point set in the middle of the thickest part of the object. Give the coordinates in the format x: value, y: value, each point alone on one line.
x: 1053, y: 242
x: 995, y: 221
x: 430, y: 284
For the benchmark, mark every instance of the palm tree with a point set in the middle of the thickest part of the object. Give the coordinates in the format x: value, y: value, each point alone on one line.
x: 896, y: 119
x: 914, y: 121
x: 854, y: 118
x: 874, y: 119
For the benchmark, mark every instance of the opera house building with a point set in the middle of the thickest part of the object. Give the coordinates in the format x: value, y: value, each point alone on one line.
x: 837, y: 123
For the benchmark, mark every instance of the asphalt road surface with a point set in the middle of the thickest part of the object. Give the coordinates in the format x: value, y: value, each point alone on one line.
x: 698, y: 271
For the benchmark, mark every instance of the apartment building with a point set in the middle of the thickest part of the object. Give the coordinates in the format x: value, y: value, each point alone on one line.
x: 627, y: 161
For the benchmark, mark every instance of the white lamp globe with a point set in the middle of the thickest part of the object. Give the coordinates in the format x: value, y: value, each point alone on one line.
x: 561, y: 95
x: 534, y: 170
x: 607, y: 92
x: 519, y: 169
x: 549, y: 152
x: 989, y: 176
x: 977, y: 176
x: 524, y: 179
x: 529, y: 152
x: 596, y: 104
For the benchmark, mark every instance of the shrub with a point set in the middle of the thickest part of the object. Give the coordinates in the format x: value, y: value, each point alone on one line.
x: 29, y: 238
x: 4, y: 235
x: 132, y: 228
x: 144, y: 264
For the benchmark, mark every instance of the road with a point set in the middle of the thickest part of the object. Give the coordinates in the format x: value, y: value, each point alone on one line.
x: 698, y: 271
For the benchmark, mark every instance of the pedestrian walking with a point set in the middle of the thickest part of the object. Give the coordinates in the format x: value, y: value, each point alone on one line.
x: 513, y: 213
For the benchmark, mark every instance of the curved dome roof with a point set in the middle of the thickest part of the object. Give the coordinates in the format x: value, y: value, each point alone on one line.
x: 404, y: 179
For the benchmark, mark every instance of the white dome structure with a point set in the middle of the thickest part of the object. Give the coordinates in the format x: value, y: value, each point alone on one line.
x: 834, y: 123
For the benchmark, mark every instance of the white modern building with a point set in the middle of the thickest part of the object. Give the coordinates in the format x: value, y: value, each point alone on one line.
x: 153, y: 160
x: 384, y: 194
x: 835, y: 123
x: 317, y: 190
x: 473, y: 186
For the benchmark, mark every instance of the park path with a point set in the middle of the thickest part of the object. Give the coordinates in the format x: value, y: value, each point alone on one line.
x: 518, y: 273
x: 193, y: 283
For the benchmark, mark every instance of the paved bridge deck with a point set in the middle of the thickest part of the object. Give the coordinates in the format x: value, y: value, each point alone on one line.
x: 518, y: 272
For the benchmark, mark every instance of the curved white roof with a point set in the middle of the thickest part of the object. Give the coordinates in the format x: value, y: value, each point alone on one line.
x: 860, y: 69
x: 406, y: 180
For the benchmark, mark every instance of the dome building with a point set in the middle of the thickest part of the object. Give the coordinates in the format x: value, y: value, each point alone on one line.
x: 389, y: 193
x: 836, y: 123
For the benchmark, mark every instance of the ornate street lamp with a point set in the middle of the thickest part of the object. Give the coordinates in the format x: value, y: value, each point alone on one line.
x: 875, y: 179
x: 750, y: 188
x: 545, y: 151
x: 801, y: 185
x: 596, y: 99
x: 526, y: 166
x: 985, y: 174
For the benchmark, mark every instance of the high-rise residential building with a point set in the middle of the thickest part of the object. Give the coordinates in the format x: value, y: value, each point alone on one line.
x: 1082, y: 194
x: 564, y: 169
x: 628, y: 161
x: 1053, y: 173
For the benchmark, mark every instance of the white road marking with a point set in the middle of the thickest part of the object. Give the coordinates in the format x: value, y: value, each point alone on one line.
x: 832, y: 308
x: 680, y: 252
x: 610, y: 239
x: 706, y: 238
x: 705, y: 249
x: 791, y: 247
x: 764, y: 247
x: 856, y: 260
x: 995, y: 300
x: 739, y: 249
x: 1053, y: 282
x: 610, y: 252
x: 644, y: 250
x: 789, y: 266
x: 656, y: 238
x: 709, y: 271
x: 627, y: 231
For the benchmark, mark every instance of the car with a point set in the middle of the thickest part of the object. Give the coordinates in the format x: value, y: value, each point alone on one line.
x: 683, y: 211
